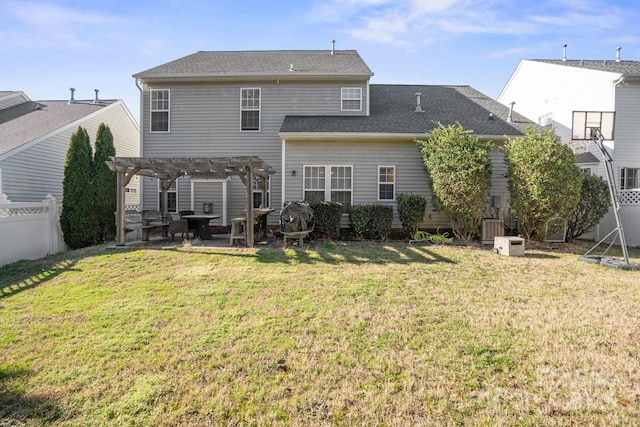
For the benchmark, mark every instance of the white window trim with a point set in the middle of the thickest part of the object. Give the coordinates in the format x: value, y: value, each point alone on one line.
x: 380, y: 182
x: 343, y: 98
x: 259, y: 109
x: 327, y: 181
x: 622, y: 169
x: 259, y: 190
x: 151, y: 111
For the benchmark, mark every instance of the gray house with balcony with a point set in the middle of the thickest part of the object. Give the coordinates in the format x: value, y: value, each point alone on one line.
x: 316, y: 118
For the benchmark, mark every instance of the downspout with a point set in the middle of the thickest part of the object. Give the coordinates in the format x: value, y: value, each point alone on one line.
x: 140, y: 153
x: 283, y: 186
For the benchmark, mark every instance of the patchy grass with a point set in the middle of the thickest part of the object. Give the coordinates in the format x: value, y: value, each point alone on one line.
x: 342, y: 334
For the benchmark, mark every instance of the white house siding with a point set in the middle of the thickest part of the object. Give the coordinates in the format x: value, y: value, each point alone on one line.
x: 542, y: 89
x: 36, y: 170
x: 205, y: 122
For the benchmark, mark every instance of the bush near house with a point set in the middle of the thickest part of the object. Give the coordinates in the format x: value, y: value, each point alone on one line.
x: 593, y: 205
x: 327, y: 217
x: 372, y: 220
x: 411, y: 208
x: 544, y: 181
x: 459, y: 167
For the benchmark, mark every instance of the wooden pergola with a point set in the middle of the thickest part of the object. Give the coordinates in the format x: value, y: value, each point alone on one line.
x: 167, y: 170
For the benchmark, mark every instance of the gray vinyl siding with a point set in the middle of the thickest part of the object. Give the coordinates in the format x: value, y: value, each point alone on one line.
x: 627, y: 133
x: 205, y: 122
x: 365, y: 157
x: 32, y: 173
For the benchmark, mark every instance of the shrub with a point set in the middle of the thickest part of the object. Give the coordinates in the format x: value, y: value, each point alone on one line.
x: 411, y: 208
x: 77, y: 217
x: 459, y: 166
x: 105, y: 184
x: 593, y: 205
x: 371, y: 220
x: 544, y: 181
x: 327, y: 217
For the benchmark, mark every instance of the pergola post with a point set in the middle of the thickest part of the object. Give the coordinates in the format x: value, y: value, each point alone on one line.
x: 250, y: 218
x: 120, y: 210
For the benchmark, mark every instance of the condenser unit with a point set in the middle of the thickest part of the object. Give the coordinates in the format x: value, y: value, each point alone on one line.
x: 491, y: 228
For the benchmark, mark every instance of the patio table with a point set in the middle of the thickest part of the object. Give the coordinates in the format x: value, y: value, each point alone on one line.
x: 201, y: 222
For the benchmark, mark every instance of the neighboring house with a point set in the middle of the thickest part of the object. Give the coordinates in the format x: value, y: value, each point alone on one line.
x: 35, y: 137
x: 570, y: 95
x: 314, y: 117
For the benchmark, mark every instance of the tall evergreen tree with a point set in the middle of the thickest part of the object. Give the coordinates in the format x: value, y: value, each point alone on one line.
x: 76, y: 218
x: 105, y: 185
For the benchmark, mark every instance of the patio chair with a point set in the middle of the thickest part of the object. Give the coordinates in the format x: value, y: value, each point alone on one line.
x: 191, y: 224
x: 177, y: 225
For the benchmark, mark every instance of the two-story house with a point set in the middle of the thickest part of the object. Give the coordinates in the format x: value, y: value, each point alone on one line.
x: 35, y: 137
x: 316, y: 118
x: 571, y: 95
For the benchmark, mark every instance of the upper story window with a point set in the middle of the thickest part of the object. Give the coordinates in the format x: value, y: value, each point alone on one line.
x: 629, y: 179
x: 250, y: 109
x: 159, y: 110
x: 351, y: 99
x: 386, y: 182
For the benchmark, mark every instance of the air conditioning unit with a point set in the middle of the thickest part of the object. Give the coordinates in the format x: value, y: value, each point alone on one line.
x: 491, y: 228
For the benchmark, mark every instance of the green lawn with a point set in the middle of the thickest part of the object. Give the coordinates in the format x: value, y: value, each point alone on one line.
x: 342, y: 334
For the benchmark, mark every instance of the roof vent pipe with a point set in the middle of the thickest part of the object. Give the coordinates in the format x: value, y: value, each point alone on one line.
x: 418, y: 106
x: 510, y: 118
x: 333, y: 46
x: 71, y: 100
x: 618, y: 49
x: 96, y: 100
x: 564, y: 52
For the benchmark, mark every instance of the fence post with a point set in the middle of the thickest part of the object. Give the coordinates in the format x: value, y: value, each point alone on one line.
x: 55, y: 231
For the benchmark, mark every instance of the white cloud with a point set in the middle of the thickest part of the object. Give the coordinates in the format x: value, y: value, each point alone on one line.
x: 402, y: 22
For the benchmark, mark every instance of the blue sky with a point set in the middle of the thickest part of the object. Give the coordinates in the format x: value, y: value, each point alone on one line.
x: 46, y: 47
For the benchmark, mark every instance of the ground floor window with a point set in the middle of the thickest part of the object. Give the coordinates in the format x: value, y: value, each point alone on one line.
x: 629, y: 179
x: 386, y: 182
x: 329, y: 183
x: 257, y: 194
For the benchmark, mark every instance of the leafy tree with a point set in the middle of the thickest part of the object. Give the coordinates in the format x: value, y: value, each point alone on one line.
x: 593, y: 205
x: 76, y: 218
x: 105, y: 185
x: 544, y: 181
x: 460, y: 169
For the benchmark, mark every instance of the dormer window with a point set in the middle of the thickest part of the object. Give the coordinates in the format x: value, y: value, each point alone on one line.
x: 250, y: 109
x: 351, y: 99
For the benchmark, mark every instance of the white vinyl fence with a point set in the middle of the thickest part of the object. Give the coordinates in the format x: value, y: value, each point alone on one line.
x: 29, y: 230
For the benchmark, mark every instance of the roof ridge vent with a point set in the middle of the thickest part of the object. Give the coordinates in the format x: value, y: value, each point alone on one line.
x: 333, y: 47
x: 418, y: 104
x: 71, y: 99
x: 96, y: 100
x: 618, y: 49
x: 564, y: 52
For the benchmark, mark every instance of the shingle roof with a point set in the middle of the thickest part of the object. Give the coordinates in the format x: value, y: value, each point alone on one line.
x: 393, y: 112
x: 31, y: 120
x: 261, y: 63
x: 622, y: 67
x: 586, y: 158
